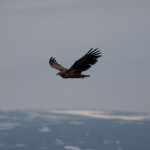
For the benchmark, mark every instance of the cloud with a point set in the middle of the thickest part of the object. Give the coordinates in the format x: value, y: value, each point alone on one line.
x: 44, y: 129
x: 105, y: 115
x: 8, y: 126
x: 20, y: 145
x: 76, y: 122
x: 69, y: 147
x: 59, y: 142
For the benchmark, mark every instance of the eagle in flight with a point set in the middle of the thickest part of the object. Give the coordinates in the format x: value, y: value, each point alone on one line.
x: 82, y: 64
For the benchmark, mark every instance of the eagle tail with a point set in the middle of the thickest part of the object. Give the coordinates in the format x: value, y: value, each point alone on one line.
x: 83, y: 76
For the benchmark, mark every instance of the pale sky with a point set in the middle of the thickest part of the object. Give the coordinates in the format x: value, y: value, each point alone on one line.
x: 31, y: 31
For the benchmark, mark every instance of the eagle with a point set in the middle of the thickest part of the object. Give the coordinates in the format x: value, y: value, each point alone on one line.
x: 82, y: 64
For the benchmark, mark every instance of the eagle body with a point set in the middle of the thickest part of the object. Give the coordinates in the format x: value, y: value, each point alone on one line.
x: 83, y: 64
x: 71, y: 74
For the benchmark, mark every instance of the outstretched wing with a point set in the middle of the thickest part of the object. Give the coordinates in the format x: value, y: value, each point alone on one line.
x: 85, y: 62
x: 54, y: 64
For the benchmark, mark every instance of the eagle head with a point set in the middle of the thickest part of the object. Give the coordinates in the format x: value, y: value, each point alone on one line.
x: 58, y: 74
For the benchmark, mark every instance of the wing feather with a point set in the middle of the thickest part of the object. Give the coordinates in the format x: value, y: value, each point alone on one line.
x: 54, y: 64
x: 85, y: 62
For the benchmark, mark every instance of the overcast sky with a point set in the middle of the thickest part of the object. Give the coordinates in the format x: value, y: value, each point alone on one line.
x: 31, y: 31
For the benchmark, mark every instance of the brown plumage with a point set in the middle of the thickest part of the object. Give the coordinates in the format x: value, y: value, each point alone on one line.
x: 82, y: 64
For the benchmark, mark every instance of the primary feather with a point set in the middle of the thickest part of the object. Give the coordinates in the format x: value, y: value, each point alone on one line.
x: 54, y: 64
x: 85, y: 62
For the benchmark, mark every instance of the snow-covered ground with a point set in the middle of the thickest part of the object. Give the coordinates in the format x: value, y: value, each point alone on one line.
x: 105, y: 115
